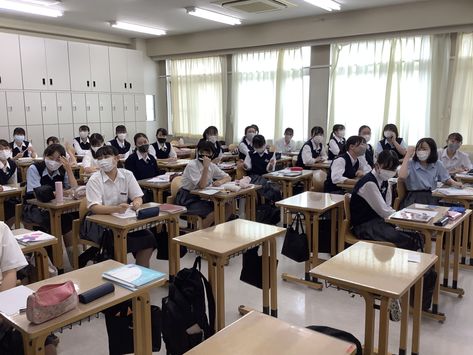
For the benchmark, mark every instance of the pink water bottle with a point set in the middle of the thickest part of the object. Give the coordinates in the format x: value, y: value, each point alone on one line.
x: 59, y: 192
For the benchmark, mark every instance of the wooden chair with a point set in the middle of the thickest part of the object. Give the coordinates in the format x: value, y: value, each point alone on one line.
x: 318, y: 180
x: 193, y: 221
x: 401, y: 194
x: 232, y: 147
x: 19, y: 214
x: 174, y: 142
x: 346, y: 236
x: 76, y: 239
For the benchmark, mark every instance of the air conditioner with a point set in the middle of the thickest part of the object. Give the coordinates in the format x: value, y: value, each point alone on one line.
x: 254, y: 6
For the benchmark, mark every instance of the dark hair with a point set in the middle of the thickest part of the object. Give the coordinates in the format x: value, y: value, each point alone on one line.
x: 53, y: 148
x: 52, y: 139
x: 106, y: 150
x: 205, y: 146
x: 120, y: 129
x: 456, y: 136
x: 259, y: 141
x: 139, y: 135
x: 84, y: 128
x: 95, y: 139
x: 163, y: 131
x: 353, y: 140
x: 249, y: 127
x: 210, y: 130
x: 289, y: 130
x: 391, y: 127
x: 256, y: 128
x: 362, y: 128
x: 19, y: 130
x: 387, y: 159
x: 433, y: 156
x: 316, y: 130
x: 336, y: 127
x: 4, y: 143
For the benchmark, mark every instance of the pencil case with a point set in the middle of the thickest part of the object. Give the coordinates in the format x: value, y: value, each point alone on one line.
x: 147, y: 212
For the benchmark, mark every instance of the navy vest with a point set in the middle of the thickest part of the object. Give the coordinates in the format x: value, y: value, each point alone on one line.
x: 5, y: 176
x: 160, y: 154
x: 217, y: 148
x: 387, y: 146
x: 315, y: 152
x: 369, y: 155
x: 83, y: 146
x: 23, y: 148
x: 349, y: 173
x: 259, y: 163
x: 250, y: 149
x: 46, y: 179
x: 361, y: 211
x: 124, y: 150
x: 140, y: 168
x: 341, y: 144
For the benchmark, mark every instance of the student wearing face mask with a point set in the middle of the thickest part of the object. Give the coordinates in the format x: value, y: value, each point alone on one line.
x: 313, y: 150
x: 336, y: 141
x: 120, y: 143
x: 422, y: 172
x: 286, y: 144
x: 161, y: 149
x: 81, y: 144
x: 199, y: 174
x: 211, y: 135
x: 8, y: 176
x: 20, y: 147
x: 365, y: 132
x: 347, y: 168
x: 89, y: 163
x: 246, y: 144
x: 109, y: 191
x: 451, y: 157
x: 392, y: 141
x: 70, y: 153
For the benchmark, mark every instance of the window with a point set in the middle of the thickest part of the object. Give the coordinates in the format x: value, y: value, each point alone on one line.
x: 150, y: 116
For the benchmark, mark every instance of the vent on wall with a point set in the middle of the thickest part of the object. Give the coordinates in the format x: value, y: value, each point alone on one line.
x: 254, y: 6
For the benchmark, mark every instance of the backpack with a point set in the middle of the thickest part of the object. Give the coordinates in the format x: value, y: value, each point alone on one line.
x: 268, y: 214
x: 339, y: 334
x: 184, y: 319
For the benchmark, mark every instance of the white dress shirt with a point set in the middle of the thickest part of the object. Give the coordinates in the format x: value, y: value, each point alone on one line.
x: 122, y: 145
x: 13, y: 179
x: 248, y: 164
x: 242, y: 148
x: 379, y: 147
x: 152, y: 151
x: 459, y: 160
x: 193, y: 172
x: 338, y: 168
x: 11, y: 256
x: 333, y: 146
x: 77, y: 148
x: 89, y: 161
x: 307, y: 153
x: 33, y: 179
x: 371, y: 194
x: 283, y: 147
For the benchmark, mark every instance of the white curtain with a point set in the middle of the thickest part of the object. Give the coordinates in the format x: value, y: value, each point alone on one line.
x: 198, y: 95
x: 462, y: 100
x: 270, y: 89
x: 389, y: 81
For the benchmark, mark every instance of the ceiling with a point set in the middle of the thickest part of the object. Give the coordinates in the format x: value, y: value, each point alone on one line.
x: 170, y: 15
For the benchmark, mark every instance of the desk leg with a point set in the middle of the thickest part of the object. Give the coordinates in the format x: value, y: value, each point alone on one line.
x: 417, y: 316
x: 253, y: 205
x: 315, y: 239
x: 341, y: 239
x: 56, y: 230
x: 211, y: 273
x: 471, y: 240
x: 119, y: 243
x: 273, y: 256
x: 41, y: 259
x: 465, y: 236
x: 173, y: 248
x: 446, y: 261
x: 156, y: 196
x: 438, y: 252
x: 220, y: 294
x: 222, y: 214
x: 308, y: 230
x: 216, y: 211
x: 383, y: 326
x: 369, y: 324
x: 34, y: 346
x: 2, y: 209
x: 333, y: 234
x: 265, y: 277
x: 404, y: 323
x: 142, y: 325
x: 456, y: 254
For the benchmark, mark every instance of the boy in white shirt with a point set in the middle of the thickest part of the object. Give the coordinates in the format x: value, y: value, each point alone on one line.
x: 286, y: 144
x: 89, y: 163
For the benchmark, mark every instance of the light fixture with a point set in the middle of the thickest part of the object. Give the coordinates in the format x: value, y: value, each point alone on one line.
x: 328, y: 5
x: 137, y: 28
x: 30, y: 9
x: 213, y: 16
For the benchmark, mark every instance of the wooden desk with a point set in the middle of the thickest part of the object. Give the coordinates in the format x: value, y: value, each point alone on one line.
x: 55, y: 211
x: 157, y: 187
x: 284, y: 162
x: 39, y: 252
x: 290, y: 154
x: 221, y: 242
x: 85, y: 279
x: 325, y: 165
x: 122, y: 226
x: 378, y: 271
x: 4, y: 195
x: 312, y: 205
x: 221, y: 198
x: 465, y: 178
x: 288, y: 182
x: 346, y: 187
x: 178, y: 165
x: 433, y: 232
x: 229, y: 157
x: 258, y: 333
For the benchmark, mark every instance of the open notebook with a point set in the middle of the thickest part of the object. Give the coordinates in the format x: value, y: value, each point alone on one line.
x: 414, y: 215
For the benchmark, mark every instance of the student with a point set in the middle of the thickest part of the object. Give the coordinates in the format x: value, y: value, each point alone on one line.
x: 20, y: 147
x: 89, y: 163
x: 313, y: 150
x: 259, y: 162
x: 365, y: 132
x: 120, y: 143
x: 81, y: 144
x: 422, y: 172
x: 286, y: 144
x: 8, y: 176
x: 70, y: 152
x: 256, y: 128
x: 161, y: 149
x: 336, y: 141
x: 109, y: 191
x: 246, y: 144
x: 199, y: 174
x: 346, y: 167
x: 451, y: 157
x: 211, y: 135
x: 392, y: 141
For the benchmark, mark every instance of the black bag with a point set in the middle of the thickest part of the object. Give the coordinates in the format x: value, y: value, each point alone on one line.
x: 430, y: 278
x: 162, y: 240
x: 252, y: 268
x: 268, y: 214
x: 339, y: 334
x: 100, y: 235
x: 119, y: 322
x: 11, y: 341
x: 44, y: 193
x: 296, y: 245
x: 185, y: 323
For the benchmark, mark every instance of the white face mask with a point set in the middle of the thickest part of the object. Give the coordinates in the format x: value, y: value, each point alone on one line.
x: 260, y: 150
x: 250, y: 136
x: 106, y: 164
x: 19, y: 138
x: 367, y: 137
x: 386, y: 174
x: 318, y: 139
x: 388, y: 134
x: 121, y: 136
x: 95, y: 148
x: 212, y: 139
x: 423, y: 155
x: 52, y: 165
x: 341, y: 134
x: 83, y: 134
x: 5, y: 154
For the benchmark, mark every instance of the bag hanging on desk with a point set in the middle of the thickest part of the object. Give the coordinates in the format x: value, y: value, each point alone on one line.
x: 252, y: 268
x: 44, y: 193
x: 162, y: 241
x: 296, y: 245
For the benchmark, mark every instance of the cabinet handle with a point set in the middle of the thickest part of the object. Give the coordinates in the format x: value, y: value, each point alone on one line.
x: 101, y: 108
x: 44, y: 108
x: 88, y: 107
x: 125, y: 85
x: 114, y: 108
x: 137, y: 108
x: 0, y: 79
x: 44, y: 81
x: 131, y: 86
x: 126, y: 108
x: 88, y: 83
x: 10, y: 108
x: 51, y: 81
x: 59, y: 108
x: 93, y: 83
x: 74, y: 108
x: 28, y: 108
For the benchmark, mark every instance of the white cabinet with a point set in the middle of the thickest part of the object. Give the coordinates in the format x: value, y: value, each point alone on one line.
x: 66, y: 132
x: 92, y: 107
x: 135, y: 71
x: 126, y: 70
x: 105, y: 107
x: 3, y: 111
x: 141, y: 127
x: 107, y: 130
x: 118, y: 115
x: 51, y: 130
x: 5, y: 132
x: 99, y: 68
x: 49, y: 108
x: 33, y: 108
x: 57, y: 64
x: 129, y: 108
x: 140, y: 108
x: 15, y: 108
x: 79, y: 114
x: 10, y: 63
x: 64, y: 107
x: 89, y: 67
x: 36, y: 137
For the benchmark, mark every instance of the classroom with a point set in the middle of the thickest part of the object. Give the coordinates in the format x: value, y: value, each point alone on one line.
x: 241, y: 177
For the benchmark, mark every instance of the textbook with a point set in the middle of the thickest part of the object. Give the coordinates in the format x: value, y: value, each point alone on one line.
x: 133, y: 276
x: 423, y: 216
x: 32, y: 237
x: 167, y: 207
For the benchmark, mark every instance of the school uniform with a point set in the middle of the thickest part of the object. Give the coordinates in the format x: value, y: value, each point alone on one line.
x: 8, y: 176
x: 23, y: 148
x: 309, y: 152
x: 80, y: 146
x: 256, y: 165
x: 244, y: 147
x: 162, y: 151
x: 89, y: 161
x: 459, y: 160
x: 101, y: 190
x: 342, y: 168
x: 123, y: 148
x: 190, y: 181
x: 422, y: 180
x: 283, y: 147
x: 11, y: 256
x: 369, y: 155
x: 218, y: 151
x: 335, y: 146
x: 143, y: 166
x: 385, y: 145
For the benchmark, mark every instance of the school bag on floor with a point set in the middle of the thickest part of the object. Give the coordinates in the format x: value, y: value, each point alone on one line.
x: 184, y: 318
x: 339, y: 334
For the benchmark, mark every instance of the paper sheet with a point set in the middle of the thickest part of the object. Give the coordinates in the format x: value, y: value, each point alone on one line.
x: 8, y: 188
x: 413, y: 258
x: 14, y: 299
x: 455, y: 192
x: 129, y: 213
x: 210, y: 191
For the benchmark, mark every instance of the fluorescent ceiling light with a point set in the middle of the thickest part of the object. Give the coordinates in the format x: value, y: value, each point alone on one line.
x: 138, y: 28
x: 213, y: 16
x: 328, y: 5
x: 30, y: 9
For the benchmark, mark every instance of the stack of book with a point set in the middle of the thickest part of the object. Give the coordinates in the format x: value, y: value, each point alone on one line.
x: 133, y: 276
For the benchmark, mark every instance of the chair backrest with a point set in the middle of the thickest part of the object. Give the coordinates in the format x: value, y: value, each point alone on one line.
x: 174, y: 142
x: 232, y: 147
x: 346, y: 207
x: 401, y: 194
x: 83, y: 208
x: 176, y: 184
x: 318, y: 180
x: 193, y: 154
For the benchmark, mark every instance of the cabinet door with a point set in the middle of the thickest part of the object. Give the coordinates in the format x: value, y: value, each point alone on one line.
x: 105, y: 107
x: 135, y: 71
x: 141, y: 127
x: 36, y: 136
x: 92, y: 107
x: 107, y: 130
x: 10, y: 62
x: 129, y: 108
x: 3, y: 111
x: 131, y: 129
x: 118, y: 115
x: 118, y: 69
x: 51, y: 130
x: 33, y: 108
x: 99, y: 68
x: 95, y: 128
x: 5, y: 132
x: 79, y: 114
x: 80, y: 66
x: 57, y: 64
x: 33, y: 63
x: 15, y: 108
x: 66, y: 133
x: 64, y: 107
x: 49, y: 108
x: 140, y: 108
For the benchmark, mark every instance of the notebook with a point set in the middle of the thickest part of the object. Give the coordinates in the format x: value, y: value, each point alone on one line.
x: 14, y: 299
x: 423, y: 216
x: 32, y: 237
x: 167, y: 207
x: 133, y: 276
